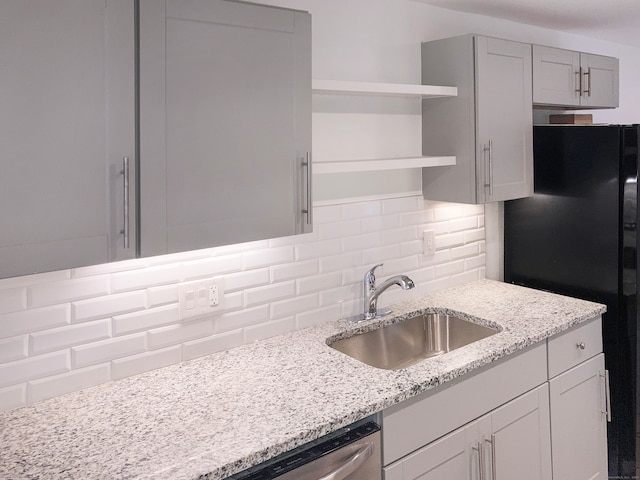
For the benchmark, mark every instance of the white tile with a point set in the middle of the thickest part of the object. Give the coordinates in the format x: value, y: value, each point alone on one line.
x: 466, y: 223
x: 212, y: 266
x: 450, y: 240
x: 143, y: 362
x: 326, y: 214
x: 13, y: 397
x: 449, y: 211
x: 33, y: 367
x: 423, y: 275
x: 55, y: 385
x: 340, y: 295
x: 414, y: 247
x: 175, y: 334
x: 242, y: 280
x: 13, y: 300
x: 293, y: 305
x: 147, y: 277
x: 381, y: 254
x: 290, y: 271
x: 109, y: 305
x: 361, y: 242
x: 360, y: 210
x: 34, y: 320
x: 107, y: 350
x: 317, y: 283
x: 323, y: 248
x: 336, y: 263
x: 399, y: 266
x: 294, y: 239
x: 469, y: 250
x: 212, y: 344
x: 67, y: 290
x: 441, y: 256
x: 241, y: 319
x: 268, y: 257
x: 145, y: 319
x: 474, y: 262
x: 105, y: 268
x: 375, y: 224
x: 14, y: 348
x: 276, y: 291
x: 416, y: 218
x: 268, y: 329
x: 163, y: 295
x: 318, y: 316
x: 61, y: 337
x: 233, y: 301
x: 474, y: 235
x: 339, y: 229
x: 449, y: 269
x: 27, y: 280
x: 400, y: 205
x: 399, y: 235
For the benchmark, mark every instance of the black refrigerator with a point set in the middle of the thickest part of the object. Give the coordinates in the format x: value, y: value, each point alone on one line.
x: 577, y: 235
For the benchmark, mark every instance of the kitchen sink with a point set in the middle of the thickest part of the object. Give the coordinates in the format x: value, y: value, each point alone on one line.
x: 406, y: 343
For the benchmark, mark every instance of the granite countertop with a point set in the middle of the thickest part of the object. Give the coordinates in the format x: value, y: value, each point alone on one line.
x: 219, y: 414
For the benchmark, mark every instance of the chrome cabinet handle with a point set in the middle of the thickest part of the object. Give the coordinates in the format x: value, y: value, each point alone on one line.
x: 492, y: 442
x: 607, y: 395
x: 579, y: 89
x: 309, y: 210
x: 125, y: 202
x: 581, y: 345
x: 480, y: 449
x: 351, y: 465
x: 488, y: 149
x: 588, y: 75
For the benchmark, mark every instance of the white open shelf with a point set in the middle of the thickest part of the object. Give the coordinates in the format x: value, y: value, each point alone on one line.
x: 342, y: 87
x: 345, y: 166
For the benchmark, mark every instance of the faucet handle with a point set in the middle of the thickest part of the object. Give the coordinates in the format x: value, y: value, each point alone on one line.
x: 370, y: 277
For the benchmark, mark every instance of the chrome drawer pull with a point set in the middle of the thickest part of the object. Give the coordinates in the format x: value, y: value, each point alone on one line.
x: 581, y: 345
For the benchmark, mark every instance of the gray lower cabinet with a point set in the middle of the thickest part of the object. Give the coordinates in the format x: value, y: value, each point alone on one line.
x: 225, y: 113
x: 570, y: 79
x: 66, y: 122
x: 538, y: 415
x: 488, y: 126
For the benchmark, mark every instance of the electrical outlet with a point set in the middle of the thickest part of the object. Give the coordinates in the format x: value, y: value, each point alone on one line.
x: 200, y: 298
x: 429, y: 245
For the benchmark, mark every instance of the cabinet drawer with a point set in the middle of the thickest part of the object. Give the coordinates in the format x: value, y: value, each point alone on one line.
x: 426, y: 417
x: 574, y: 346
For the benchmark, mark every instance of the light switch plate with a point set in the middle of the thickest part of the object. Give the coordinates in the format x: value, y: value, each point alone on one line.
x: 200, y: 298
x: 429, y: 239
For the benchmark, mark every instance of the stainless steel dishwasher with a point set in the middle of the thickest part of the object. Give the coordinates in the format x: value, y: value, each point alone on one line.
x: 351, y: 453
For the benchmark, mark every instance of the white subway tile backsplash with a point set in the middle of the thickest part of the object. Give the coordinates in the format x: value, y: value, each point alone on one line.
x: 175, y: 334
x: 106, y: 306
x: 106, y: 350
x: 55, y: 385
x: 13, y: 397
x: 14, y: 348
x: 13, y: 300
x: 268, y: 293
x: 212, y: 344
x: 61, y: 337
x: 268, y: 329
x: 33, y: 367
x: 143, y: 362
x: 33, y: 320
x: 293, y: 305
x: 67, y: 290
x: 94, y: 324
x: 145, y: 319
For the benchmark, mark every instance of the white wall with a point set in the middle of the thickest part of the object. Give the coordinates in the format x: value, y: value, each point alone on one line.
x: 71, y: 329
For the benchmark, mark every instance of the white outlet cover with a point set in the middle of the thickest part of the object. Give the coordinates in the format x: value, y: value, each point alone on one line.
x: 196, y: 299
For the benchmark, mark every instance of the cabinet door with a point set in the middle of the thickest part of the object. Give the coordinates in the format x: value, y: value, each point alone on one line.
x: 225, y: 123
x: 578, y: 424
x: 520, y: 442
x: 556, y: 78
x: 504, y: 122
x: 600, y: 81
x: 66, y: 121
x: 454, y: 457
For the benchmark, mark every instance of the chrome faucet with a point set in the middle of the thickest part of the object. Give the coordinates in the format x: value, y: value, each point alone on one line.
x: 372, y: 292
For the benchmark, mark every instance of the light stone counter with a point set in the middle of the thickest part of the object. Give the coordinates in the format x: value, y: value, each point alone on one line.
x: 217, y: 415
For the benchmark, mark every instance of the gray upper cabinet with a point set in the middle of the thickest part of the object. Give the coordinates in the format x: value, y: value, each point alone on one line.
x: 225, y: 123
x: 488, y: 126
x: 220, y: 114
x: 66, y: 122
x: 574, y: 80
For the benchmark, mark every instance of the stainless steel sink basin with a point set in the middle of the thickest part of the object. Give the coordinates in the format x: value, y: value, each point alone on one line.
x: 406, y: 343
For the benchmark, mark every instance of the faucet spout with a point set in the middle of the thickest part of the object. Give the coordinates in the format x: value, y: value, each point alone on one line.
x: 373, y: 292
